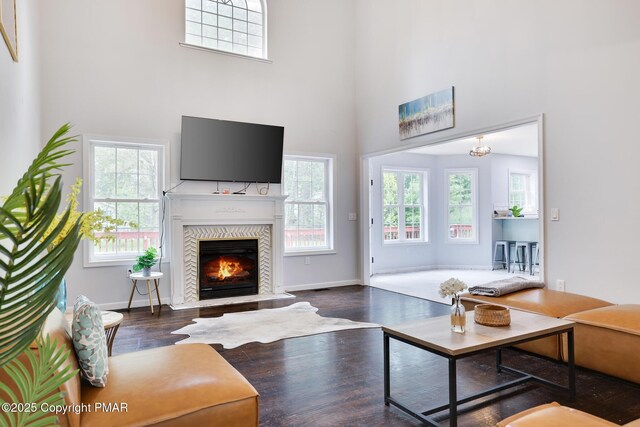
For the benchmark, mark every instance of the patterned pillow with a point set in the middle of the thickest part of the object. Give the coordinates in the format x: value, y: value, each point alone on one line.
x: 90, y: 342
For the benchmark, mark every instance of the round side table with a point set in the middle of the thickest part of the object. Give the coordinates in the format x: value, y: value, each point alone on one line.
x: 111, y: 321
x: 155, y: 276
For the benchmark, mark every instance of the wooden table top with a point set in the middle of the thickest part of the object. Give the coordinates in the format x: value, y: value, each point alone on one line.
x: 435, y: 332
x: 109, y: 318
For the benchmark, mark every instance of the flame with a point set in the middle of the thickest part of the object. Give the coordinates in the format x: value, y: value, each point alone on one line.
x: 228, y: 269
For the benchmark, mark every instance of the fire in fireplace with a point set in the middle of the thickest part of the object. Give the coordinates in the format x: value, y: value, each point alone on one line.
x: 227, y: 268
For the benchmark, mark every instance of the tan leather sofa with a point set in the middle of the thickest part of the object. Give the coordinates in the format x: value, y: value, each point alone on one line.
x: 607, y: 340
x: 540, y: 301
x: 179, y: 385
x: 554, y: 415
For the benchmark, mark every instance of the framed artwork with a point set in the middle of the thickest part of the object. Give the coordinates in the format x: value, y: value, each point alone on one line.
x: 428, y: 114
x: 8, y: 26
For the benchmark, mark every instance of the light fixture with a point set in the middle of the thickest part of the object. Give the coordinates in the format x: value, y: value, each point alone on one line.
x: 479, y: 150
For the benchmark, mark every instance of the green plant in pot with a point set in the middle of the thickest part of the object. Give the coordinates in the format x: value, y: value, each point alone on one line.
x: 145, y: 261
x: 516, y: 211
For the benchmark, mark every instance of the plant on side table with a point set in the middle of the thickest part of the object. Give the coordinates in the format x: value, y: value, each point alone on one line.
x: 146, y: 261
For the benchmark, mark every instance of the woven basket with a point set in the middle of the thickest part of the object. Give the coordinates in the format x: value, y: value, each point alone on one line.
x: 491, y: 315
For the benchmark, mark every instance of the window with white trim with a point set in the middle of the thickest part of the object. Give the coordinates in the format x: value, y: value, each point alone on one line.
x: 404, y: 200
x: 462, y: 205
x: 308, y: 208
x: 237, y: 26
x: 124, y: 179
x: 523, y: 191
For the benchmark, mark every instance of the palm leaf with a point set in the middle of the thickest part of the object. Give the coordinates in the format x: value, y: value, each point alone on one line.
x: 31, y: 269
x: 36, y: 382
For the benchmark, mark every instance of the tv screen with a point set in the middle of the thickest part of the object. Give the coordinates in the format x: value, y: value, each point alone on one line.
x: 220, y: 150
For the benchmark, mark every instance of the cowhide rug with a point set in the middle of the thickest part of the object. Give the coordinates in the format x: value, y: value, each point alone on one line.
x: 268, y: 325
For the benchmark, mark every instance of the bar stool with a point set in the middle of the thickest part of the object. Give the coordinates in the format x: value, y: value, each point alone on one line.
x: 536, y: 256
x: 503, y: 248
x: 525, y: 261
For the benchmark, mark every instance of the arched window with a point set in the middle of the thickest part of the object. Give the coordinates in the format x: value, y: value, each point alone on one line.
x: 237, y: 26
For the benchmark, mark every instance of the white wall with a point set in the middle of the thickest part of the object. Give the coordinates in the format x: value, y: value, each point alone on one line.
x: 575, y: 61
x: 115, y: 68
x: 20, y: 107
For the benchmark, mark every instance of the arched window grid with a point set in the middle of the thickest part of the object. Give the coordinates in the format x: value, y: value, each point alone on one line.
x: 237, y: 26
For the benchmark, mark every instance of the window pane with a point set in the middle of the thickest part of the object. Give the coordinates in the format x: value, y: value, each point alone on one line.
x: 239, y: 38
x: 210, y: 19
x: 240, y: 26
x: 317, y: 181
x: 391, y: 223
x: 255, y: 52
x: 319, y: 225
x: 459, y: 189
x: 290, y: 178
x: 210, y: 6
x: 412, y: 222
x: 210, y: 32
x: 255, y: 17
x: 105, y: 245
x: 191, y: 39
x: 224, y: 45
x: 127, y: 173
x: 255, y: 29
x: 105, y: 172
x: 225, y: 9
x: 255, y: 41
x: 254, y: 5
x: 128, y: 239
x: 390, y: 192
x: 225, y: 35
x: 224, y: 22
x: 412, y: 189
x: 193, y: 4
x: 210, y: 43
x: 239, y: 13
x: 193, y: 15
x: 239, y: 48
x: 194, y: 28
x: 149, y: 225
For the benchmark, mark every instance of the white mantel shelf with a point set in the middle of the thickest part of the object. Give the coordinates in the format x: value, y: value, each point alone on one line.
x: 196, y: 216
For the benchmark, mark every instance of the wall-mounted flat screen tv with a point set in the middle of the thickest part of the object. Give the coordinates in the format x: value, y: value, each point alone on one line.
x: 221, y: 150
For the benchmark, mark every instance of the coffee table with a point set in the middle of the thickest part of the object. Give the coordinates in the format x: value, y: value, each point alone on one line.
x: 434, y: 335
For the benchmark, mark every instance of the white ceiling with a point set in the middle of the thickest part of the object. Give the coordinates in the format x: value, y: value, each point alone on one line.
x: 517, y: 141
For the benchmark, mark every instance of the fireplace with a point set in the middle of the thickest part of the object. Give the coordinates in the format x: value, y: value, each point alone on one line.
x: 227, y: 268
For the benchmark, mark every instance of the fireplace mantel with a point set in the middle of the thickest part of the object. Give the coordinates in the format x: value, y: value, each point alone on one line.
x: 222, y: 216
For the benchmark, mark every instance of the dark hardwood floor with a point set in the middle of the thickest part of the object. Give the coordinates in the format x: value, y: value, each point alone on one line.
x: 336, y: 379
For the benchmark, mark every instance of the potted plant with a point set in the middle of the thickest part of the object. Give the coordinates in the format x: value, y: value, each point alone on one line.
x: 516, y: 211
x: 146, y: 261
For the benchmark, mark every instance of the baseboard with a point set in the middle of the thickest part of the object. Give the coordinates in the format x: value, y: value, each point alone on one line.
x: 310, y: 286
x: 407, y: 269
x: 464, y: 267
x: 434, y: 267
x: 134, y: 304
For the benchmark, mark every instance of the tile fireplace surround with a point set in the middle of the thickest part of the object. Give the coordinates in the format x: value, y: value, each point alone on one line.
x: 214, y: 216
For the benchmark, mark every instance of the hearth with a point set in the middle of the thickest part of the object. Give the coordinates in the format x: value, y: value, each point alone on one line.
x: 227, y: 268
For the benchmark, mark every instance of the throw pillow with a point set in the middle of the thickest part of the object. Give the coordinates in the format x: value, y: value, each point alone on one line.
x: 89, y: 342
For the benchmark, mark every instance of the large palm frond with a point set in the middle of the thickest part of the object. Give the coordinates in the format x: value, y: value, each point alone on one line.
x: 30, y: 267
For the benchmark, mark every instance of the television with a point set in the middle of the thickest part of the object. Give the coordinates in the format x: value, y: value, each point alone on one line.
x: 221, y: 150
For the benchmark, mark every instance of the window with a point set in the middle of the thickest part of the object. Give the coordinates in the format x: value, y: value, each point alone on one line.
x: 236, y: 26
x: 403, y: 206
x: 124, y: 179
x: 462, y: 205
x: 523, y: 191
x: 308, y: 209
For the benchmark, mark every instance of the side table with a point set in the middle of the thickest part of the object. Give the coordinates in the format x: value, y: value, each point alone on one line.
x: 111, y: 321
x: 155, y: 276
